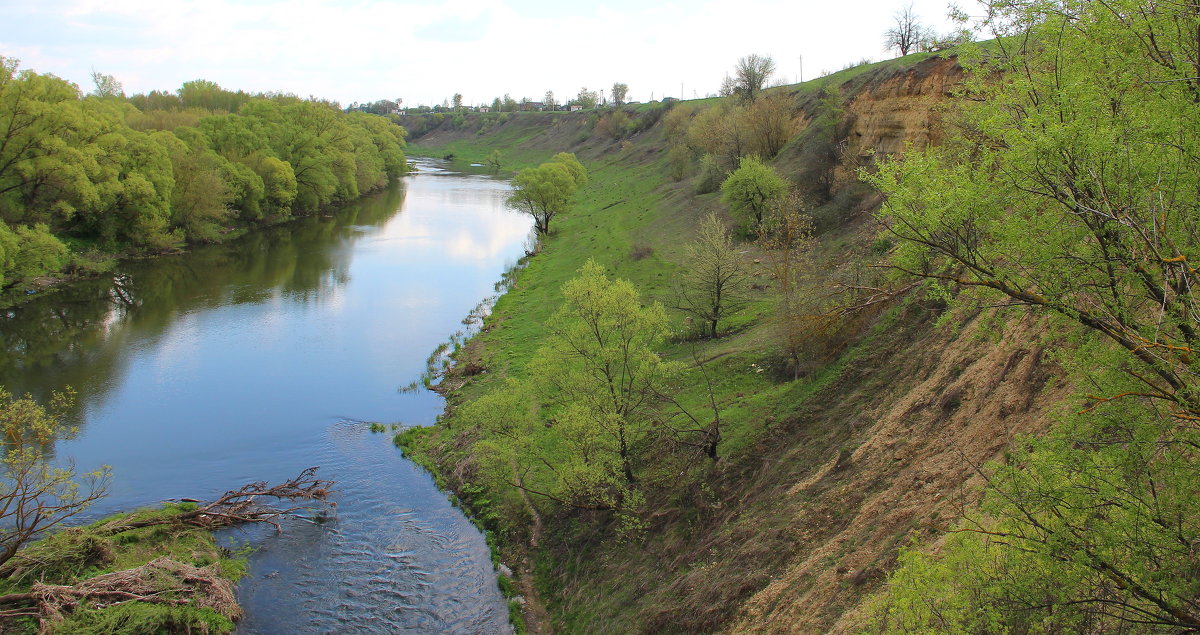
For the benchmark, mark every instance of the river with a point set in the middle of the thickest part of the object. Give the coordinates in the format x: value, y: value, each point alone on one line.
x: 258, y: 358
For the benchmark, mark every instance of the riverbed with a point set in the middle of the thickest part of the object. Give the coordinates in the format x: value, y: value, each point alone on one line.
x: 256, y: 359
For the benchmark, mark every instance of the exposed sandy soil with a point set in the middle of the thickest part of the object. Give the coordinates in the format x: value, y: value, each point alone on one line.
x: 952, y: 401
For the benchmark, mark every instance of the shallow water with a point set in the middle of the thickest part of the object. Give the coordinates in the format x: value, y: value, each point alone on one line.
x: 254, y: 360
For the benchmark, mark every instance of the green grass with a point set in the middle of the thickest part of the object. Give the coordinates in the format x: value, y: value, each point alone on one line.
x: 80, y: 553
x: 635, y: 221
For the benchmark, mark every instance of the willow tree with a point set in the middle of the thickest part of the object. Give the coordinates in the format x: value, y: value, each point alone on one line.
x: 572, y: 432
x: 1073, y: 191
x: 545, y: 191
x: 600, y: 371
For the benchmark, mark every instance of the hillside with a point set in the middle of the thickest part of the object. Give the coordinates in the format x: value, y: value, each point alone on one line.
x: 875, y: 432
x: 833, y: 471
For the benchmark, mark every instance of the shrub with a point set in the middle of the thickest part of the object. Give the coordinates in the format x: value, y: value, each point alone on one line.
x: 711, y: 175
x: 680, y: 159
x: 38, y: 253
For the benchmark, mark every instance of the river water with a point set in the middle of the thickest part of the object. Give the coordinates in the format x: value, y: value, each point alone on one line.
x: 256, y: 359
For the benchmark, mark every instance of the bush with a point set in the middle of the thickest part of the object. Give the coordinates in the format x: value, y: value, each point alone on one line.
x: 680, y: 160
x: 711, y: 175
x: 38, y: 253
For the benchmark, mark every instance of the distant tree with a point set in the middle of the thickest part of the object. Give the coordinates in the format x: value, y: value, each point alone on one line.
x: 497, y: 105
x: 587, y: 98
x: 714, y: 276
x: 619, y: 92
x: 545, y: 191
x: 494, y: 160
x: 35, y: 495
x: 202, y: 93
x: 201, y: 195
x: 771, y: 122
x: 457, y: 103
x: 510, y: 104
x: 721, y: 131
x: 906, y: 34
x: 751, y: 74
x: 728, y: 87
x: 751, y: 190
x: 106, y: 86
x: 549, y: 101
x: 786, y: 237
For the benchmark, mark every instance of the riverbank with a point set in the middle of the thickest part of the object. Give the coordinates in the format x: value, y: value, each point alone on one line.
x: 797, y: 520
x: 95, y: 264
x: 166, y: 577
x: 276, y: 352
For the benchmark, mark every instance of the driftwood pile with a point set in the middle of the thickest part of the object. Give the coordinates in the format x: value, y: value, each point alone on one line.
x: 164, y: 580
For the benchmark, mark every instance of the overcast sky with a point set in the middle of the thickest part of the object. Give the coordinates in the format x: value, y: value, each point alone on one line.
x: 425, y: 51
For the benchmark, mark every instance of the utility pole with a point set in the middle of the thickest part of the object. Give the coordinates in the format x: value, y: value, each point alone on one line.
x: 801, y: 69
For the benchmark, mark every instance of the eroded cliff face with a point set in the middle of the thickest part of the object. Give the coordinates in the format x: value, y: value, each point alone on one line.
x: 895, y: 111
x: 902, y: 108
x: 848, y: 125
x: 955, y: 401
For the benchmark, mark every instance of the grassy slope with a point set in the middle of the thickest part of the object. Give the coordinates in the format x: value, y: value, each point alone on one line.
x: 795, y: 496
x: 74, y: 555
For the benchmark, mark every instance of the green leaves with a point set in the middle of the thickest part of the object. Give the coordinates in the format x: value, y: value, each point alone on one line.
x: 574, y: 430
x: 36, y: 496
x: 95, y: 167
x: 751, y: 189
x: 545, y: 191
x: 1072, y: 190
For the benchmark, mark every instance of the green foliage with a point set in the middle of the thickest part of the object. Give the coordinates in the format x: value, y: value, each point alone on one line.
x: 545, y: 191
x: 182, y: 169
x: 679, y: 157
x: 714, y: 280
x: 1072, y: 190
x: 38, y: 253
x: 574, y: 167
x: 35, y: 495
x: 751, y: 190
x: 142, y: 618
x: 571, y: 432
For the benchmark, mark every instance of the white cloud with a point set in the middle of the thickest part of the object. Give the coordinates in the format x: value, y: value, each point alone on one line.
x: 425, y: 52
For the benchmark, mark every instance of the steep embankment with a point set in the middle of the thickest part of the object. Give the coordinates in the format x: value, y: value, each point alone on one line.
x: 822, y: 477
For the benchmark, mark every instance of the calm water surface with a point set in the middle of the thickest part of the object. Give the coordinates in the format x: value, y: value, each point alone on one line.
x: 257, y: 359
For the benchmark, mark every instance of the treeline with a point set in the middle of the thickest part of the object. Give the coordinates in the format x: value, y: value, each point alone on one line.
x: 103, y: 173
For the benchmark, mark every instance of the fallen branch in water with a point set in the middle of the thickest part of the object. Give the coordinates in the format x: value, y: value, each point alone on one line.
x: 162, y: 581
x: 243, y: 505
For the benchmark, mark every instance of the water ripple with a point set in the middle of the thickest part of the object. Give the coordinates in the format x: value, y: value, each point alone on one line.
x: 398, y: 558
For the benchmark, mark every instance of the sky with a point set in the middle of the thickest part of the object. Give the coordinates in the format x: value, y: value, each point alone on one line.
x: 425, y: 51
